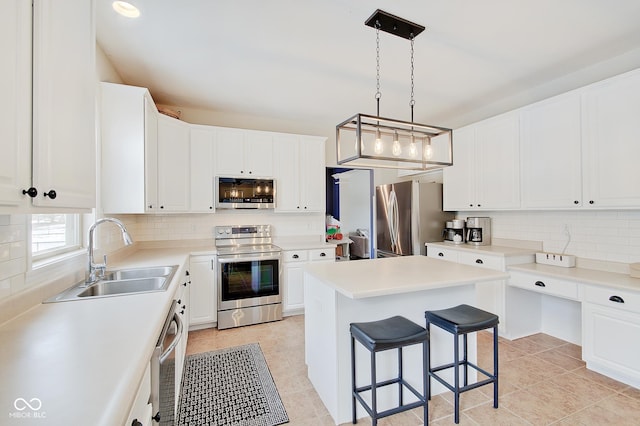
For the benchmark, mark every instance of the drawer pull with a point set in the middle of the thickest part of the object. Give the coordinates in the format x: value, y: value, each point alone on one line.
x: 616, y: 299
x: 295, y: 256
x: 323, y: 254
x: 441, y: 254
x: 540, y: 284
x: 479, y: 261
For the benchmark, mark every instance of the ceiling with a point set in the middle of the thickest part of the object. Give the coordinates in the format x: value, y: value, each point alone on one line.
x: 315, y: 61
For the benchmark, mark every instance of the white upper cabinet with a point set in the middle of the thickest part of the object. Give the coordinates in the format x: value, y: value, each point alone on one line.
x: 202, y: 147
x: 299, y: 164
x: 48, y: 134
x: 64, y: 89
x: 550, y: 153
x: 610, y: 142
x: 15, y: 109
x: 486, y: 170
x: 459, y: 183
x: 129, y: 126
x: 244, y: 153
x: 173, y: 165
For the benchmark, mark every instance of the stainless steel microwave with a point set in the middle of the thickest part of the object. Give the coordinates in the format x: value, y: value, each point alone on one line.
x: 244, y: 193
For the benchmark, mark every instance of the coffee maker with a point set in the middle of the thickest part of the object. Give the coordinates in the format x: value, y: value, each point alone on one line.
x: 454, y: 231
x: 479, y: 231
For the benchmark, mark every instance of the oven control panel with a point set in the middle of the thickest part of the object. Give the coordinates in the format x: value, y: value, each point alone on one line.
x: 242, y: 231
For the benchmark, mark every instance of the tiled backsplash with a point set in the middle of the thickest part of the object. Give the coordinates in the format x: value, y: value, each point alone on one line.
x: 603, y: 235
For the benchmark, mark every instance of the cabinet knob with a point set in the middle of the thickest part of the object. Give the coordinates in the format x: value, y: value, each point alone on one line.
x: 479, y: 261
x: 210, y: 207
x: 323, y: 254
x: 470, y: 205
x: 616, y: 299
x: 295, y: 256
x: 31, y: 192
x: 479, y: 205
x: 576, y: 202
x: 51, y: 194
x: 441, y: 254
x: 540, y: 284
x: 162, y: 207
x: 184, y: 283
x: 179, y: 301
x: 590, y: 201
x: 150, y: 206
x: 136, y: 422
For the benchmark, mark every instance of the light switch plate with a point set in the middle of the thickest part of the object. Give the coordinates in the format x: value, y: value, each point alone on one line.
x: 555, y: 259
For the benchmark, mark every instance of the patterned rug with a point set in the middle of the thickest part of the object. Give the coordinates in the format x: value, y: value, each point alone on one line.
x: 230, y: 387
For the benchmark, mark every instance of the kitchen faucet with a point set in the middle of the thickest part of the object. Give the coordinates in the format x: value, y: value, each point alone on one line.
x: 97, y: 270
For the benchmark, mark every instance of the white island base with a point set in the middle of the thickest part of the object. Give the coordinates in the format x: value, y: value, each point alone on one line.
x: 368, y: 290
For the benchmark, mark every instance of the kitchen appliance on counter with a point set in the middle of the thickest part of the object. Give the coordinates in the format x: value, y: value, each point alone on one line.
x: 248, y: 276
x: 479, y: 231
x: 455, y: 231
x: 408, y: 214
x: 244, y: 193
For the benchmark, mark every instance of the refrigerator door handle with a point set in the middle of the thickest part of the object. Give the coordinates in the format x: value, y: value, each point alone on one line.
x: 393, y: 220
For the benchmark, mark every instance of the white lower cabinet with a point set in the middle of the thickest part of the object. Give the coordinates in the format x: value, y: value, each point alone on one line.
x: 611, y: 333
x: 203, y: 309
x: 490, y: 296
x: 293, y: 280
x: 141, y: 411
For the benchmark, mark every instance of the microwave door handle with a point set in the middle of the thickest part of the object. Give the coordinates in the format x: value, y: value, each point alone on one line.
x: 176, y: 340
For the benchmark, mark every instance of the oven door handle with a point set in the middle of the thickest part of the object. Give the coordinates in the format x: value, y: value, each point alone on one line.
x: 176, y: 340
x: 243, y: 258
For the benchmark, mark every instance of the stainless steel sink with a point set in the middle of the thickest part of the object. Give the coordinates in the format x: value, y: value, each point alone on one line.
x: 131, y: 274
x: 120, y: 282
x: 111, y: 288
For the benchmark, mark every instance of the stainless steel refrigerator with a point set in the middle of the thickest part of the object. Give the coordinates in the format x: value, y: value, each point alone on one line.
x: 408, y: 215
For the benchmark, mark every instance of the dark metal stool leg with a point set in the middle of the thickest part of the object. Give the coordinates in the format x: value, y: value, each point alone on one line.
x: 353, y: 380
x: 400, y: 376
x: 495, y: 366
x: 374, y: 402
x: 456, y: 378
x: 428, y: 370
x: 425, y: 380
x: 464, y: 360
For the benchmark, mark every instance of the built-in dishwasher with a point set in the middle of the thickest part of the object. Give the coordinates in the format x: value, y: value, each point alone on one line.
x: 163, y: 369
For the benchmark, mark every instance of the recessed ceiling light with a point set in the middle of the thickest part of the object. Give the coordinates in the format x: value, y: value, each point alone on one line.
x: 126, y: 9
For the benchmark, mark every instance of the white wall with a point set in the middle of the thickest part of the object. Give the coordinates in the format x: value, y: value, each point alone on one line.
x: 355, y: 201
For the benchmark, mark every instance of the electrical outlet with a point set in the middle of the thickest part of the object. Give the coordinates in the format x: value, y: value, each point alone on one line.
x: 556, y: 259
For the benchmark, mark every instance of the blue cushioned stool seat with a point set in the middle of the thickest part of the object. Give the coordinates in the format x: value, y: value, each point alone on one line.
x: 460, y: 321
x: 376, y: 336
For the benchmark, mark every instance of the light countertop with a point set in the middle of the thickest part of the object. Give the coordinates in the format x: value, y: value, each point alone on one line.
x: 497, y: 250
x: 581, y: 275
x: 397, y: 275
x: 84, y: 359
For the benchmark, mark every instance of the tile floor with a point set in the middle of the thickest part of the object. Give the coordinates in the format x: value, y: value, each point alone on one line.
x: 542, y: 381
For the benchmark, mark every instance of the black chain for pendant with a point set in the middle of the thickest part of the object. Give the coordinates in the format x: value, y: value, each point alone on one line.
x: 413, y: 102
x: 378, y: 94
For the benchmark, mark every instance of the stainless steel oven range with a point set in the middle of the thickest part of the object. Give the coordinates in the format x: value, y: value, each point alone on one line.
x: 249, y: 276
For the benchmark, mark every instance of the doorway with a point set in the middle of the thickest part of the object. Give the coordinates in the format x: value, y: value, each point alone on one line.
x: 349, y: 200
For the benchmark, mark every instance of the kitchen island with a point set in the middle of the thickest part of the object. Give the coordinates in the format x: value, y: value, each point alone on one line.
x: 337, y: 294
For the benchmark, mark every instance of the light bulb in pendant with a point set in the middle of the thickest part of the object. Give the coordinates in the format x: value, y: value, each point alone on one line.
x: 413, y: 149
x: 428, y: 151
x: 396, y: 149
x: 378, y: 147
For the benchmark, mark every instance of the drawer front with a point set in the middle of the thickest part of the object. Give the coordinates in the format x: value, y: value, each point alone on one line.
x: 546, y: 285
x: 442, y: 254
x: 483, y: 261
x: 295, y: 255
x: 612, y: 297
x: 326, y: 254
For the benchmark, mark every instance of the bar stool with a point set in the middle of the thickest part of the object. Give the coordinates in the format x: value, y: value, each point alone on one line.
x: 462, y: 320
x: 377, y: 336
